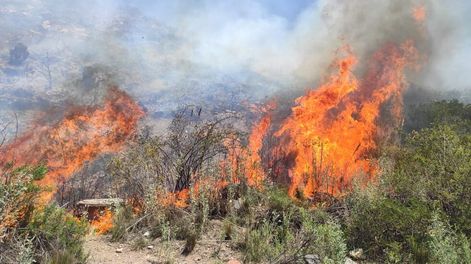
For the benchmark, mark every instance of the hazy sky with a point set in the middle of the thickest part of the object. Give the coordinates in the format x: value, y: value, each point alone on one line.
x: 287, y: 42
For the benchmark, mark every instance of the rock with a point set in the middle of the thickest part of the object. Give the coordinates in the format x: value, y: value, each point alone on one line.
x: 357, y: 254
x: 150, y: 247
x: 153, y: 260
x: 312, y: 259
x: 238, y: 204
x: 119, y: 250
x: 147, y: 234
x: 349, y: 261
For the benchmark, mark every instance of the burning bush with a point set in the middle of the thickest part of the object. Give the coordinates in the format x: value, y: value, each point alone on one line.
x: 18, y: 195
x: 30, y: 231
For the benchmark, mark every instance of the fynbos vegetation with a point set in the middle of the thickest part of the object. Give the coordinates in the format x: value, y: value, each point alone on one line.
x: 229, y: 132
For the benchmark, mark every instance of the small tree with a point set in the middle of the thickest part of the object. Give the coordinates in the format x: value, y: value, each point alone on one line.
x: 193, y: 142
x: 18, y: 54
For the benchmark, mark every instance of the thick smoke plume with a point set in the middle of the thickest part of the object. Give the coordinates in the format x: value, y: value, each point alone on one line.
x: 163, y: 51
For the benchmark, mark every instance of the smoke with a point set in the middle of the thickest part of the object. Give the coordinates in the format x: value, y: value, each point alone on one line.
x: 161, y: 51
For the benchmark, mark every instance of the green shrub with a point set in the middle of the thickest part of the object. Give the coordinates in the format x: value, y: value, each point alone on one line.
x: 380, y: 224
x: 139, y: 243
x: 122, y: 219
x: 445, y: 246
x: 18, y: 195
x: 434, y: 166
x: 329, y: 243
x: 54, y: 230
x: 441, y: 112
x: 284, y: 232
x: 265, y: 242
x: 429, y: 173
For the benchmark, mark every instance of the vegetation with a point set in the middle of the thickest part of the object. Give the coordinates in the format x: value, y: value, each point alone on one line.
x: 417, y: 211
x: 421, y: 204
x: 31, y: 233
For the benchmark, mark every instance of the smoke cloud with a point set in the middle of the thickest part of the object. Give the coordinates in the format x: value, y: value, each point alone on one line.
x: 169, y: 52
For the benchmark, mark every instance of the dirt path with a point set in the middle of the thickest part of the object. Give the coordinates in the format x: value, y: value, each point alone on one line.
x: 103, y: 252
x: 207, y: 250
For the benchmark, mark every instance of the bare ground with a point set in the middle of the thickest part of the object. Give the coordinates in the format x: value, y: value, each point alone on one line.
x: 209, y: 249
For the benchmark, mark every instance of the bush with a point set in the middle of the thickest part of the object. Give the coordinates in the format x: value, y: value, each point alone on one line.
x: 441, y: 112
x: 445, y: 246
x: 383, y: 225
x: 329, y: 243
x: 57, y: 234
x: 18, y: 194
x: 428, y: 174
x: 31, y: 233
x: 265, y: 242
x: 285, y: 232
x: 434, y: 167
x: 122, y: 219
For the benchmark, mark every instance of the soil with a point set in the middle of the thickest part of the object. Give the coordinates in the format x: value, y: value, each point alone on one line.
x: 209, y: 249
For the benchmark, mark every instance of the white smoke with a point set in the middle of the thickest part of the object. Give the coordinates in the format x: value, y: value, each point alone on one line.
x: 167, y: 45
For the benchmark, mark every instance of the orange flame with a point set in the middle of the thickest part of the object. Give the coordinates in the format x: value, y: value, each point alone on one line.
x: 81, y: 136
x: 253, y: 167
x: 103, y: 223
x: 332, y: 130
x: 419, y: 13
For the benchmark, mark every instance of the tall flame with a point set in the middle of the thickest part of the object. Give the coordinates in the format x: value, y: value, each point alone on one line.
x: 253, y: 163
x: 333, y: 130
x: 80, y: 136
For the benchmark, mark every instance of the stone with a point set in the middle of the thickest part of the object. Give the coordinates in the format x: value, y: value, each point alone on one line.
x: 153, y: 260
x: 238, y: 204
x: 119, y: 250
x: 150, y: 247
x: 312, y: 259
x: 147, y: 234
x: 357, y: 254
x: 349, y: 261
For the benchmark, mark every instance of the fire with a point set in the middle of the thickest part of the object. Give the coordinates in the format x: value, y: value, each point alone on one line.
x: 333, y: 129
x: 178, y: 199
x: 419, y: 13
x: 253, y: 167
x: 103, y: 223
x: 80, y: 136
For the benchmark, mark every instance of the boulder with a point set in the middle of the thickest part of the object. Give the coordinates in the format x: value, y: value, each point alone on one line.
x: 357, y: 254
x: 312, y: 259
x: 349, y: 261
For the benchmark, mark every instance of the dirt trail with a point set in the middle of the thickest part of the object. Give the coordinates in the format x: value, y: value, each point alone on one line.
x: 207, y: 250
x: 103, y: 252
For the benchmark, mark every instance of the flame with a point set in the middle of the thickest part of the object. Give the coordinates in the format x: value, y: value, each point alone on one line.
x: 232, y: 164
x: 80, y: 136
x: 103, y: 223
x: 419, y: 13
x: 333, y: 130
x: 253, y: 166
